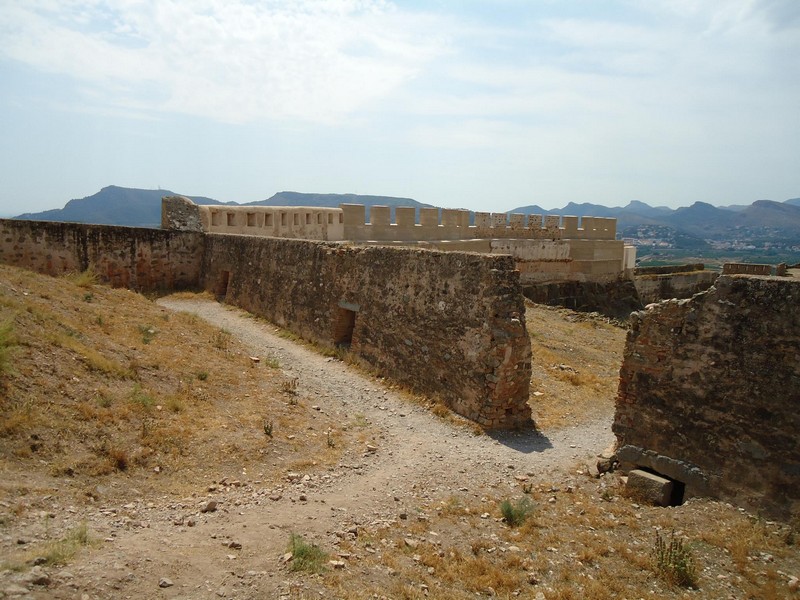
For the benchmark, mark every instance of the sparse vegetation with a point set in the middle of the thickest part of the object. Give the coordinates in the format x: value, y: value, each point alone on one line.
x: 516, y: 513
x: 674, y: 562
x: 148, y: 332
x: 7, y: 346
x: 289, y: 385
x: 83, y: 279
x: 222, y: 339
x: 101, y: 436
x: 306, y: 557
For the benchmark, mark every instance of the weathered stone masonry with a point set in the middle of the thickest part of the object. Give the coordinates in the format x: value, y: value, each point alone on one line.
x: 710, y: 392
x: 448, y: 324
x: 136, y: 258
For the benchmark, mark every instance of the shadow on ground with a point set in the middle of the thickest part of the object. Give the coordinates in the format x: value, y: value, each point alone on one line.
x: 526, y: 442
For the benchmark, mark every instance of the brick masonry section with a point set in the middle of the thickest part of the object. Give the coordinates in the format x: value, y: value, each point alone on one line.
x: 709, y: 392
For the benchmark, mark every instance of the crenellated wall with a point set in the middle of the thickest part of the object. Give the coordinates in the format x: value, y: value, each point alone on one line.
x: 349, y: 222
x: 709, y: 392
x: 548, y: 250
x: 136, y: 258
x: 453, y: 224
x: 298, y: 222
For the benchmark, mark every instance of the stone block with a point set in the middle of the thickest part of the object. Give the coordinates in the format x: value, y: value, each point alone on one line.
x: 650, y: 488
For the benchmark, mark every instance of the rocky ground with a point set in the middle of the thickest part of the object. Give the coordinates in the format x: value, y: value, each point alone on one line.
x: 406, y: 489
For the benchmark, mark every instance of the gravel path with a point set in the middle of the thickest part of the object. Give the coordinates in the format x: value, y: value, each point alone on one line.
x: 170, y: 547
x: 419, y: 447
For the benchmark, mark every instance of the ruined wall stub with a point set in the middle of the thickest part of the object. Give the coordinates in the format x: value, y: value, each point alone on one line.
x: 444, y: 323
x: 709, y: 392
x: 137, y: 258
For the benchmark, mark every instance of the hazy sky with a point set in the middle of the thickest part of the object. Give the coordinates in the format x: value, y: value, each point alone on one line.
x: 459, y: 103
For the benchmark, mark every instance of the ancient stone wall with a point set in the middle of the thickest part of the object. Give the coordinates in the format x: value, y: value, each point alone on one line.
x: 349, y: 222
x: 709, y: 392
x: 136, y: 258
x: 445, y: 323
x: 654, y: 288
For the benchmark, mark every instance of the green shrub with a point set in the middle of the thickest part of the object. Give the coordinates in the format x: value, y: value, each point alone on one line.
x: 305, y: 556
x: 61, y: 551
x: 516, y: 513
x: 674, y: 562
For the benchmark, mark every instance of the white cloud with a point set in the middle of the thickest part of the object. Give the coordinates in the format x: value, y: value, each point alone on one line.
x: 235, y: 61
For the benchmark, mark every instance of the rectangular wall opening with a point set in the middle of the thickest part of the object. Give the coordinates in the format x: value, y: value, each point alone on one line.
x: 231, y: 219
x: 343, y: 327
x: 251, y: 219
x: 267, y: 220
x: 215, y: 219
x: 223, y: 283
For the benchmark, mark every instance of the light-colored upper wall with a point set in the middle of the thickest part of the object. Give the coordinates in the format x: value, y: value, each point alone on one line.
x: 348, y: 222
x: 310, y: 223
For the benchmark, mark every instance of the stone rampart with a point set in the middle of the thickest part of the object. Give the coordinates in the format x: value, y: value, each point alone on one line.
x: 655, y: 288
x: 747, y: 269
x: 297, y: 222
x: 709, y: 392
x: 447, y: 323
x: 137, y: 258
x: 349, y: 222
x: 670, y: 269
x: 453, y: 224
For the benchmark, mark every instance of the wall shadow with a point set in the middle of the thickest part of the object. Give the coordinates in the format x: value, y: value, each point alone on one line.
x: 527, y: 442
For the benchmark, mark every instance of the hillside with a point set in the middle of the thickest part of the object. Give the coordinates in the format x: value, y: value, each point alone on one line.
x: 145, y: 453
x: 114, y: 205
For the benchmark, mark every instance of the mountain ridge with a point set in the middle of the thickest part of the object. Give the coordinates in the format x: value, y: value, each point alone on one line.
x: 763, y: 219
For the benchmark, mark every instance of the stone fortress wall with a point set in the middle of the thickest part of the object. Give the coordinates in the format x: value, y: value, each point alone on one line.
x: 709, y: 393
x: 545, y: 248
x: 451, y: 325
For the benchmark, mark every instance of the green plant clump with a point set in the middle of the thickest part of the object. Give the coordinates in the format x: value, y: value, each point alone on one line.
x: 516, y: 513
x: 674, y: 562
x: 306, y: 557
x: 60, y: 552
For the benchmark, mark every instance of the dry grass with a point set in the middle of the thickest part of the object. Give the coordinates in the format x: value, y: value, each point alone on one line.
x: 117, y: 384
x: 578, y: 546
x: 576, y: 360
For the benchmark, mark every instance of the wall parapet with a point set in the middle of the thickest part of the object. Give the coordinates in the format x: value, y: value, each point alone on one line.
x: 454, y: 224
x: 349, y: 222
x: 753, y: 269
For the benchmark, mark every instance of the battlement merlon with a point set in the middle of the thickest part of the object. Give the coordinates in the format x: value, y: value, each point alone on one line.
x: 349, y: 222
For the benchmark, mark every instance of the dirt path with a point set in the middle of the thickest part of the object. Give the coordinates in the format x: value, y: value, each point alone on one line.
x: 233, y: 551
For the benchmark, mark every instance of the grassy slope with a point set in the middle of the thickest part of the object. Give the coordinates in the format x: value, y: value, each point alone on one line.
x: 103, y: 384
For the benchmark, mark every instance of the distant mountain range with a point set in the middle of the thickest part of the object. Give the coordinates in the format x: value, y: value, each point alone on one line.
x: 763, y: 221
x: 132, y: 207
